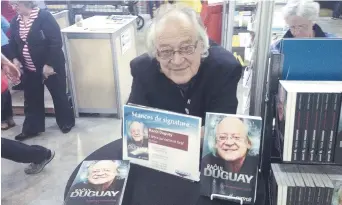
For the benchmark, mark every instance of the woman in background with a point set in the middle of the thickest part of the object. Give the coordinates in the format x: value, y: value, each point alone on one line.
x: 36, y: 44
x: 300, y: 15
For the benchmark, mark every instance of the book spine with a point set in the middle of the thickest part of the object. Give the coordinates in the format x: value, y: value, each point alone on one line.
x: 324, y: 195
x: 338, y: 141
x: 298, y: 114
x: 294, y: 195
x: 306, y: 122
x: 314, y: 196
x: 289, y: 195
x: 322, y: 126
x: 301, y: 195
x: 318, y: 196
x: 314, y: 138
x: 309, y: 195
x: 333, y: 123
x: 329, y: 196
x: 327, y: 127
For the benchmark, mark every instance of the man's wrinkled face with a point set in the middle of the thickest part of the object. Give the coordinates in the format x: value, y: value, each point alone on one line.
x: 232, y: 142
x: 137, y: 131
x: 300, y: 27
x: 102, y: 172
x: 178, y: 49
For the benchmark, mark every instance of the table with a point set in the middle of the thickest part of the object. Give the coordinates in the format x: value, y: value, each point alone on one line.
x: 150, y: 187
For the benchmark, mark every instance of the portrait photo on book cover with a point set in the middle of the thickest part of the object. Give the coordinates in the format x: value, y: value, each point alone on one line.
x: 230, y: 155
x: 137, y: 139
x: 99, y: 181
x: 337, y: 196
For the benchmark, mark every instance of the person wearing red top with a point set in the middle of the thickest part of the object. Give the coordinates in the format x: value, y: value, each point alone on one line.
x: 7, y: 11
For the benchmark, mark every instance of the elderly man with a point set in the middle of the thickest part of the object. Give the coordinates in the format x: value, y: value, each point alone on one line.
x: 229, y: 168
x: 231, y: 146
x: 137, y: 146
x: 183, y: 72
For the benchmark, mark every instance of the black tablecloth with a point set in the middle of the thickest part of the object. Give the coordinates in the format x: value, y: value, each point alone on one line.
x: 150, y: 187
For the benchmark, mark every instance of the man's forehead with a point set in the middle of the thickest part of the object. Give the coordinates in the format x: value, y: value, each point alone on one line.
x: 175, y: 31
x: 231, y: 124
x: 107, y: 164
x: 136, y: 124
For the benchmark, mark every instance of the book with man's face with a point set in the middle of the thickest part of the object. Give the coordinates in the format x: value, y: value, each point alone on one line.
x: 230, y: 157
x: 99, y: 182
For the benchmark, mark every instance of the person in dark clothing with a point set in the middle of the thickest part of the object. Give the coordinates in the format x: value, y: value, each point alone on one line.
x: 228, y: 169
x: 184, y: 72
x: 36, y: 44
x: 337, y: 10
x: 37, y: 156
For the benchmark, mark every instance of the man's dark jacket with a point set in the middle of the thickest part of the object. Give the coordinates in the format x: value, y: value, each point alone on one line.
x: 44, y: 42
x: 213, y: 89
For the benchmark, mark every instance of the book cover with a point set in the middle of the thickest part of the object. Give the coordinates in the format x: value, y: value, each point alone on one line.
x: 337, y: 196
x: 162, y: 140
x: 99, y: 182
x: 230, y: 157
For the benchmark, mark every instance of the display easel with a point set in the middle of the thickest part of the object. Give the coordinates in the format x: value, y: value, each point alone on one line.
x: 224, y: 197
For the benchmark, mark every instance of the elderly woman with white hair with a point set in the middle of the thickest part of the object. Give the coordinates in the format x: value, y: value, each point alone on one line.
x: 36, y: 46
x: 184, y: 71
x: 300, y: 15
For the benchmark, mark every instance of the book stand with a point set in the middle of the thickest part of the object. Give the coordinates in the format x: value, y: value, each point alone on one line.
x: 219, y: 196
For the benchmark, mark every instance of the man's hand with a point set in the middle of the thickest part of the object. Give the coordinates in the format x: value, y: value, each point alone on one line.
x: 11, y: 71
x: 47, y: 71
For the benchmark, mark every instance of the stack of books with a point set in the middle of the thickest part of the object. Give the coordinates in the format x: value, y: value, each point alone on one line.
x: 309, y: 123
x: 306, y: 184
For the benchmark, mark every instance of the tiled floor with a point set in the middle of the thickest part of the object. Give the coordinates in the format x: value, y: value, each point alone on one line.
x: 47, y: 188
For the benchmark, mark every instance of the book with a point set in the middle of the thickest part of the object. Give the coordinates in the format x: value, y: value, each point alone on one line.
x: 307, y: 120
x: 230, y: 158
x: 99, y: 182
x: 165, y: 141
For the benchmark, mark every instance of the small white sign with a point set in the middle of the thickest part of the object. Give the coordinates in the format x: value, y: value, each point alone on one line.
x: 126, y: 41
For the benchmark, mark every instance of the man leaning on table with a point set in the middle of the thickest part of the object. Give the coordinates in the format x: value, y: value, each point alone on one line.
x: 184, y: 71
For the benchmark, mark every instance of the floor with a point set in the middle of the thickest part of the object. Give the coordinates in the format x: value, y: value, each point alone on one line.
x: 89, y: 134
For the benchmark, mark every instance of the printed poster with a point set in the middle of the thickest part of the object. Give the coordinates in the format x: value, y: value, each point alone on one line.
x: 162, y: 140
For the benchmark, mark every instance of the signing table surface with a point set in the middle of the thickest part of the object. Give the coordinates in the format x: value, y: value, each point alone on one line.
x: 150, y: 187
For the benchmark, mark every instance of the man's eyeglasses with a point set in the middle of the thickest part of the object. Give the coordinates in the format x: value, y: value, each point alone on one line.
x: 184, y: 50
x: 224, y: 138
x: 299, y: 27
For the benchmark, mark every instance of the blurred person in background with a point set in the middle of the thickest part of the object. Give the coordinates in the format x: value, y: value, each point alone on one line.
x: 7, y: 11
x: 36, y: 155
x: 300, y: 16
x: 337, y: 10
x: 6, y: 99
x: 36, y: 45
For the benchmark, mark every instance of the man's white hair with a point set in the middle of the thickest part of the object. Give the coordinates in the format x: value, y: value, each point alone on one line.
x: 163, y: 14
x: 304, y: 8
